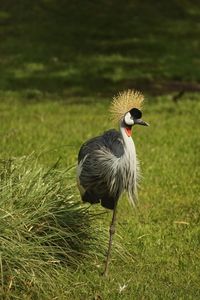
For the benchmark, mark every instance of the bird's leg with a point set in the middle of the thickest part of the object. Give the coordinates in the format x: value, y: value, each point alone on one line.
x: 112, y: 232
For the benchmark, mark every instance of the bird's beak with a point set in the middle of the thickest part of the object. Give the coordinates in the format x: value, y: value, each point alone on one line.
x: 140, y: 122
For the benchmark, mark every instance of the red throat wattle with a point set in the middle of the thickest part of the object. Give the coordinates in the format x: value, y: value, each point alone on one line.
x: 128, y: 131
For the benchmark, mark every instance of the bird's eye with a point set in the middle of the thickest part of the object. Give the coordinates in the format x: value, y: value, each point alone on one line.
x: 136, y: 113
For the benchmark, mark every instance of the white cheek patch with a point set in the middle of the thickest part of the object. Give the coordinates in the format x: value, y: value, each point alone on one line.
x: 128, y: 119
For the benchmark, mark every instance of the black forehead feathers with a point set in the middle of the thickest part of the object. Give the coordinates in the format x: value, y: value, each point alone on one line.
x: 136, y: 113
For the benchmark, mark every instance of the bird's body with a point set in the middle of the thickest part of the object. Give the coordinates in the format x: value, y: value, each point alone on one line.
x: 107, y: 164
x: 107, y: 167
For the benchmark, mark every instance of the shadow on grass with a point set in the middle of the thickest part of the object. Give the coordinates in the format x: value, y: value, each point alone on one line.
x: 81, y: 49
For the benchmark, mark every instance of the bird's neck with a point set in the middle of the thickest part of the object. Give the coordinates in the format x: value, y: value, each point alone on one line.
x: 129, y: 162
x: 126, y: 134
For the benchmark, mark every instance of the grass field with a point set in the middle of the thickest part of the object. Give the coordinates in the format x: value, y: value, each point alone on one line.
x: 159, y: 243
x: 58, y: 73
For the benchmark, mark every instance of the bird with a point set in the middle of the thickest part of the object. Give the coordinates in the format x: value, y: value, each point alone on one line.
x: 108, y: 165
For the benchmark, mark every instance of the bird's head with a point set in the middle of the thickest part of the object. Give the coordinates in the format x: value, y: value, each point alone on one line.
x: 126, y: 109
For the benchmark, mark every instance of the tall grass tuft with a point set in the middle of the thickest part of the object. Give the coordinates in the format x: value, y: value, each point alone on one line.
x: 44, y: 231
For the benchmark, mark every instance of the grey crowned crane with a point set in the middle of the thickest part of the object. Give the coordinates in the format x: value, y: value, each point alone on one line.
x: 107, y: 164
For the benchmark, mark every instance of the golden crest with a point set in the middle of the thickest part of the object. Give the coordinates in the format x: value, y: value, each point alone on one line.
x: 124, y: 102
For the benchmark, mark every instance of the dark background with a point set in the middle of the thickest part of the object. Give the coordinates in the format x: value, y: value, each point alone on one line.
x: 88, y: 48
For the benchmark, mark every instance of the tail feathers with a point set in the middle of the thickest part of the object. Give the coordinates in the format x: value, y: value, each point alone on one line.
x: 106, y: 201
x: 90, y: 197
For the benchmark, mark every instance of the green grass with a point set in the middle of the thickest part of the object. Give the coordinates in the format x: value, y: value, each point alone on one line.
x: 60, y: 66
x: 156, y: 252
x: 43, y: 230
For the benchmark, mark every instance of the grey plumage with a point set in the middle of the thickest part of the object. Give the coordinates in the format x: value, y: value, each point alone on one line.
x: 106, y: 169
